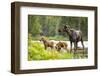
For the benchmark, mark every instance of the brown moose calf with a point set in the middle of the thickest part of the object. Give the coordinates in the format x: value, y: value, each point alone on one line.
x: 61, y: 45
x: 47, y: 43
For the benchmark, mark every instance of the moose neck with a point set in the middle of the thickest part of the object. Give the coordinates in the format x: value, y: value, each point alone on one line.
x: 69, y: 32
x: 44, y: 41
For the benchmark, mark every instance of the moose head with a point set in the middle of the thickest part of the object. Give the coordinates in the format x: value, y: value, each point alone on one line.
x: 64, y: 28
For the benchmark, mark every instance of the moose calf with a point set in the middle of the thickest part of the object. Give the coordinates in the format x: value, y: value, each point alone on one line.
x: 47, y: 43
x: 60, y: 45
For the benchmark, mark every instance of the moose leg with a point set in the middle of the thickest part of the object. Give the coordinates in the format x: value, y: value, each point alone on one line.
x: 75, y: 49
x: 82, y: 45
x: 45, y: 47
x: 70, y: 46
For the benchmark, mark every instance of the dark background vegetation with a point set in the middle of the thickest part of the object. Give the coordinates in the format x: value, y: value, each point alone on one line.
x: 48, y: 26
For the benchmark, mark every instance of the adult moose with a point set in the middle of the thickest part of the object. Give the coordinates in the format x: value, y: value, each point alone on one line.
x: 74, y: 36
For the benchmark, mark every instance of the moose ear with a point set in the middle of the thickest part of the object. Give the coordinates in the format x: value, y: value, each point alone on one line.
x: 66, y: 26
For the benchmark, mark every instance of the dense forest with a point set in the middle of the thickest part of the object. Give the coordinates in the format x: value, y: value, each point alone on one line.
x: 49, y: 25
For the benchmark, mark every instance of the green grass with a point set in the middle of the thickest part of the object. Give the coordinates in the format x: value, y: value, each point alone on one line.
x: 36, y: 51
x: 51, y: 38
x: 56, y: 37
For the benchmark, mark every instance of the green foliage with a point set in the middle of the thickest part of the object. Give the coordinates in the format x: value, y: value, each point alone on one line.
x: 34, y: 25
x: 49, y: 25
x: 37, y: 52
x: 29, y: 39
x: 58, y: 37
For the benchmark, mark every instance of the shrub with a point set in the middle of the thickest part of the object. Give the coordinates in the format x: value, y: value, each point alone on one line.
x: 37, y: 52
